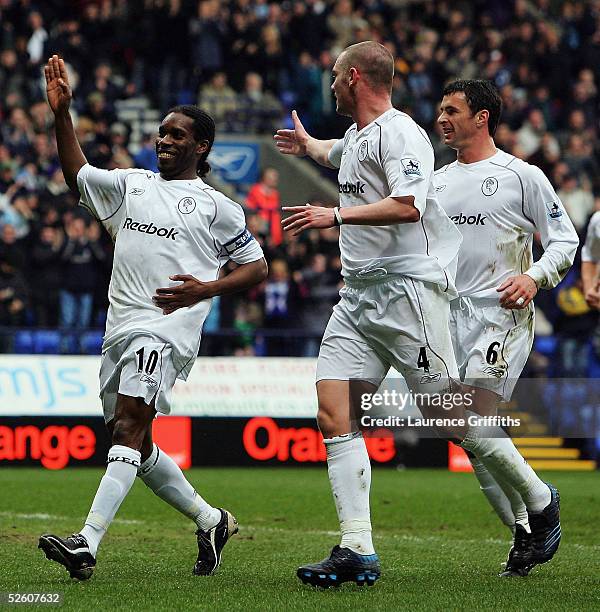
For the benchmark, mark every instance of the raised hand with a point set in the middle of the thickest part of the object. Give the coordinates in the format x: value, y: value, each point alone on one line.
x: 293, y: 142
x: 57, y: 85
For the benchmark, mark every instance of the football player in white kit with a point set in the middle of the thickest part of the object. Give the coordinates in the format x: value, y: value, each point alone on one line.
x: 169, y: 226
x: 396, y: 244
x: 590, y: 263
x: 498, y: 202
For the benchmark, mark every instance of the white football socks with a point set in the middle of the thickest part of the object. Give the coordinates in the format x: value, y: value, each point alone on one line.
x: 494, y: 494
x: 519, y: 509
x: 121, y: 470
x: 497, y: 452
x: 161, y: 474
x: 504, y: 499
x: 350, y: 478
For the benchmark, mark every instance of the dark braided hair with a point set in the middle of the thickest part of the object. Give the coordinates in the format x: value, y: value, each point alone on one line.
x: 204, y: 129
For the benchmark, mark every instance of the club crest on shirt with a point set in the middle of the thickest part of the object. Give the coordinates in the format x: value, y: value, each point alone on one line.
x: 554, y: 212
x: 186, y: 205
x: 489, y: 186
x: 411, y: 166
x: 363, y: 150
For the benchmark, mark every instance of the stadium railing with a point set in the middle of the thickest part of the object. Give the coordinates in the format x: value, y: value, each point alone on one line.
x: 257, y: 342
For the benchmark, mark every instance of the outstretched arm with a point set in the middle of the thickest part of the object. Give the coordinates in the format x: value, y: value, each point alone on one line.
x: 59, y: 98
x: 298, y: 142
x: 389, y: 211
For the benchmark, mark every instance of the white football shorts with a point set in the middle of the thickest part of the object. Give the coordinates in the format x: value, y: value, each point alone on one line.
x: 139, y: 367
x: 491, y: 343
x: 389, y: 321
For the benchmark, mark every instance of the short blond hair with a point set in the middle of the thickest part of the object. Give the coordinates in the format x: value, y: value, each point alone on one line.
x: 373, y: 60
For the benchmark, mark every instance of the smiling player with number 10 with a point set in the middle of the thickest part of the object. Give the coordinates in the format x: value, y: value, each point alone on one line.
x: 166, y: 226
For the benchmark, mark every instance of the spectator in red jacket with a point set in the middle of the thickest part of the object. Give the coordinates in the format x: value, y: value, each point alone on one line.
x: 264, y: 198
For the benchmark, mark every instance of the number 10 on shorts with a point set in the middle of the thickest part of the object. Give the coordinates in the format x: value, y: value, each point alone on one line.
x: 150, y: 363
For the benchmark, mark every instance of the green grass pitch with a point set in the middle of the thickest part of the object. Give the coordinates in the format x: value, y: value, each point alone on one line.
x: 439, y: 543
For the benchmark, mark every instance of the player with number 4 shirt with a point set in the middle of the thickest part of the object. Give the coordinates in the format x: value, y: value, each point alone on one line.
x: 396, y: 246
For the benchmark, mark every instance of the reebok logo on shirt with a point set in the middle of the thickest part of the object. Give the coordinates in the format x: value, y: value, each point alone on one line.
x: 150, y: 228
x: 461, y: 219
x: 347, y: 187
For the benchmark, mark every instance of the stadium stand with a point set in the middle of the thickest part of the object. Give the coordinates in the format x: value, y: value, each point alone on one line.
x: 249, y: 63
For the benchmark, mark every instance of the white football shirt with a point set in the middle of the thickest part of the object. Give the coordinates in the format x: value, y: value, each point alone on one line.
x: 498, y: 204
x: 591, y: 247
x: 162, y: 228
x: 393, y: 157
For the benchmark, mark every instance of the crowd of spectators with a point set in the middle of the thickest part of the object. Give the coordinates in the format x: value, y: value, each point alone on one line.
x: 248, y: 62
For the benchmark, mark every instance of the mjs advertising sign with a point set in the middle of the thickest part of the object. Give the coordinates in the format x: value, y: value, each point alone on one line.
x: 230, y: 411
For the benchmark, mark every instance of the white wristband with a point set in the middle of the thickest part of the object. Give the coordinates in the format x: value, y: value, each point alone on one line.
x: 338, y: 216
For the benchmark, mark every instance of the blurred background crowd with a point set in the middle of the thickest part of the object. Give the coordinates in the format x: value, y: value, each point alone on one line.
x: 248, y: 62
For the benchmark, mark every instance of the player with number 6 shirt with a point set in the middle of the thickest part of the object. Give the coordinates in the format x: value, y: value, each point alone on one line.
x: 498, y: 202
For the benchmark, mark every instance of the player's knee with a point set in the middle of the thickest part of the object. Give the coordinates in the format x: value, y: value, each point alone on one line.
x: 110, y: 426
x: 325, y: 423
x: 451, y: 430
x: 131, y: 423
x: 129, y: 431
x: 147, y: 444
x: 331, y: 423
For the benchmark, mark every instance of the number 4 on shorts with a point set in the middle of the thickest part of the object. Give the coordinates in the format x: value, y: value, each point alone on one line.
x: 422, y: 361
